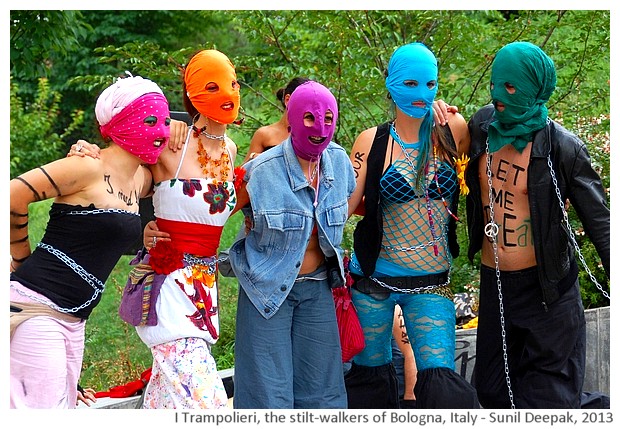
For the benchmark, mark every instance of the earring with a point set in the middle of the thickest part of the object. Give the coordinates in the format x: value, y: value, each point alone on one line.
x: 240, y: 120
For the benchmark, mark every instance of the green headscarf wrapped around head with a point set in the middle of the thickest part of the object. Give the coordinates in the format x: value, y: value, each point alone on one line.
x: 532, y: 74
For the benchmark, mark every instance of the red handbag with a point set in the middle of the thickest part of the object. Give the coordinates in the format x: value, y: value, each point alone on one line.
x: 349, y: 327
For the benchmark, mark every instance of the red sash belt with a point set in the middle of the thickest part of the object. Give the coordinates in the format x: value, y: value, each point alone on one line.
x: 193, y: 238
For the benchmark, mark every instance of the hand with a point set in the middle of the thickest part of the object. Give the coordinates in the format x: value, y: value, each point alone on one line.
x: 83, y: 148
x: 152, y: 235
x: 86, y: 395
x: 178, y: 134
x: 441, y: 110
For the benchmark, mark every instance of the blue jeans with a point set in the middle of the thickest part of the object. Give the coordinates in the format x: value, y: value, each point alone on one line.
x: 293, y: 359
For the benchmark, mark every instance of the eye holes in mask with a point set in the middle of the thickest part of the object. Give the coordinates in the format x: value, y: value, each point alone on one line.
x: 510, y: 89
x: 329, y: 117
x: 431, y: 84
x: 151, y: 121
x: 212, y: 87
x: 309, y: 118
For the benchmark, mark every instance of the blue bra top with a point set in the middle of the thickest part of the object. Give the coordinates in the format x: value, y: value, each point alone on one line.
x: 395, y: 188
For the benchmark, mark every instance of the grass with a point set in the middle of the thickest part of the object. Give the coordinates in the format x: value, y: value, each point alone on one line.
x: 114, y: 354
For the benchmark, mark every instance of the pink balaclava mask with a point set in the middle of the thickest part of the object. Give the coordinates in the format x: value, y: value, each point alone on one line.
x: 310, y: 141
x: 133, y: 112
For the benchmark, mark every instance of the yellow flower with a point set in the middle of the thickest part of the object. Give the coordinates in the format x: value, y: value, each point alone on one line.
x: 201, y: 273
x: 461, y: 166
x: 473, y: 323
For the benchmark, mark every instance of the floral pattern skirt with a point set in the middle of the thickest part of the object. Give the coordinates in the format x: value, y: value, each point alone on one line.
x: 184, y: 376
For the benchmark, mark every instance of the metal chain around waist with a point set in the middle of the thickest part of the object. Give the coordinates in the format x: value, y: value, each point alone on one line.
x: 101, y: 211
x: 571, y: 234
x: 491, y: 230
x: 97, y: 285
x: 417, y: 247
x: 93, y: 281
x: 210, y: 262
x: 417, y: 290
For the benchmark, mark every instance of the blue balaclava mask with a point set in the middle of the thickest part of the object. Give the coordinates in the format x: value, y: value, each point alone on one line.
x: 412, y: 77
x: 522, y: 79
x: 412, y: 83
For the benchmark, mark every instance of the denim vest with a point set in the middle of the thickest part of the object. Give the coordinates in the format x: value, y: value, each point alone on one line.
x: 267, y: 261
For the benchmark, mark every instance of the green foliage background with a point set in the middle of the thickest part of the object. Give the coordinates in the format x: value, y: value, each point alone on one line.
x: 61, y: 60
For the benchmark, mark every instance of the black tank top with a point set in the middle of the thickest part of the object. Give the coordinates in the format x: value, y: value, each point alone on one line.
x: 86, y: 237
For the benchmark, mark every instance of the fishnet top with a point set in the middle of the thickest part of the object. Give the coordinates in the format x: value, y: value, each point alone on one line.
x: 407, y: 239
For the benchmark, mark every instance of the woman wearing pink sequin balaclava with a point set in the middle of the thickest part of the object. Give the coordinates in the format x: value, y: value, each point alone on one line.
x: 193, y: 197
x: 92, y: 221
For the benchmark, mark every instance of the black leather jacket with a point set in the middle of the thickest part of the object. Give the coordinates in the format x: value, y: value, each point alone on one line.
x: 577, y: 181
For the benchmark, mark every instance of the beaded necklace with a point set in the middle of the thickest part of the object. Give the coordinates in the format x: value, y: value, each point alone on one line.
x: 443, y: 200
x: 429, y: 209
x: 209, y: 165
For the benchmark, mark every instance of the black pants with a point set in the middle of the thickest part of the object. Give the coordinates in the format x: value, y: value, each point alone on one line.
x: 377, y: 388
x: 545, y: 347
x: 372, y: 387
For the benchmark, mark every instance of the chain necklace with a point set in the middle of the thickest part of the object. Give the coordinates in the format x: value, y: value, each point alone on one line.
x: 203, y: 132
x: 569, y: 228
x: 399, y: 140
x: 313, y: 175
x: 429, y: 209
x: 315, y: 170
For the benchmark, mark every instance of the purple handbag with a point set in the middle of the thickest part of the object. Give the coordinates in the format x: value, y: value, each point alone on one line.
x: 139, y: 297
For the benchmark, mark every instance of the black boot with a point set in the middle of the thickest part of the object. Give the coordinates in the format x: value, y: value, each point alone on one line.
x: 372, y: 386
x: 443, y: 388
x: 407, y: 403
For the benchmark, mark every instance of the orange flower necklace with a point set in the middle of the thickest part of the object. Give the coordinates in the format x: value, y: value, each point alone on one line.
x: 210, y: 167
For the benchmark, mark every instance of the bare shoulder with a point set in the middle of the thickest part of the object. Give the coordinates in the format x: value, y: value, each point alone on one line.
x: 267, y: 136
x: 166, y: 165
x: 261, y: 138
x: 82, y: 168
x: 456, y: 120
x: 144, y: 181
x: 364, y: 140
x: 460, y: 132
x: 263, y: 132
x: 231, y: 146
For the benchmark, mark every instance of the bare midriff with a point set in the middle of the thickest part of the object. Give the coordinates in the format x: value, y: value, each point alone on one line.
x: 314, y: 257
x: 511, y: 210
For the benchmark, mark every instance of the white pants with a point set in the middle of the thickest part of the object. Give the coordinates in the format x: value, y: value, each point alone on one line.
x: 46, y: 360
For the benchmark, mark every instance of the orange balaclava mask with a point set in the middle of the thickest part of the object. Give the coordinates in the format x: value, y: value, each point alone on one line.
x: 212, y: 87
